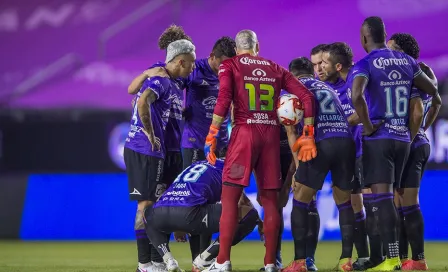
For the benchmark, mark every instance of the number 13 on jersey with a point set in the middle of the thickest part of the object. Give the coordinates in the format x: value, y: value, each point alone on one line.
x: 265, y: 100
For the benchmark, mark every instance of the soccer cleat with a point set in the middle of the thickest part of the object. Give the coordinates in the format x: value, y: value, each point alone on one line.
x: 158, y: 267
x: 387, y: 265
x: 360, y: 264
x: 296, y: 266
x: 216, y: 267
x: 173, y: 266
x: 278, y: 263
x: 344, y: 265
x: 271, y: 268
x: 202, y: 264
x: 147, y: 267
x: 310, y: 264
x: 414, y: 265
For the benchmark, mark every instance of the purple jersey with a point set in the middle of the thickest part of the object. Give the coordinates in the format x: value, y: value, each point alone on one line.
x: 173, y: 133
x: 330, y: 121
x: 160, y: 110
x: 420, y: 138
x: 390, y: 75
x: 202, y: 91
x: 342, y: 88
x: 199, y: 184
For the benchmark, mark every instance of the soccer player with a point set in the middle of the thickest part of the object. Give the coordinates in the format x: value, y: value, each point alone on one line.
x: 316, y: 59
x: 191, y: 205
x: 144, y: 150
x: 384, y: 79
x: 336, y: 150
x: 408, y: 206
x: 253, y: 84
x: 201, y: 92
x: 337, y: 61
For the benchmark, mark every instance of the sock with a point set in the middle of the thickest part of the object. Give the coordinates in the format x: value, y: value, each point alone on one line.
x: 299, y: 228
x: 205, y: 241
x: 195, y: 245
x: 415, y: 230
x: 279, y: 238
x: 346, y: 223
x: 245, y: 227
x: 387, y: 218
x: 143, y: 246
x: 403, y: 238
x: 155, y: 256
x: 360, y: 235
x: 376, y: 254
x: 312, y: 237
x: 228, y: 222
x: 271, y: 223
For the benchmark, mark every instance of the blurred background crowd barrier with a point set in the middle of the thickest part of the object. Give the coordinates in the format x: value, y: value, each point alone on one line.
x: 64, y: 108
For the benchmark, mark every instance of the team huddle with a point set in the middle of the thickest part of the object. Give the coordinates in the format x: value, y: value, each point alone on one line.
x: 362, y: 122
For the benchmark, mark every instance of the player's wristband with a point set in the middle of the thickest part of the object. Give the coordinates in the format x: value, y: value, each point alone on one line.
x: 308, y: 131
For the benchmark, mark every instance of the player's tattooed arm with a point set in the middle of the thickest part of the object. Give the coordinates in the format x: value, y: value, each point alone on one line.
x: 291, y: 132
x: 137, y: 82
x: 433, y: 111
x: 144, y: 112
x: 416, y: 116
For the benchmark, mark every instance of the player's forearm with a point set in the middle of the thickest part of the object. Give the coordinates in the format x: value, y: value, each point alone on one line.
x: 353, y: 119
x: 137, y: 83
x: 361, y: 108
x: 217, y: 121
x: 433, y: 111
x: 144, y: 112
x: 416, y: 116
x: 292, y: 138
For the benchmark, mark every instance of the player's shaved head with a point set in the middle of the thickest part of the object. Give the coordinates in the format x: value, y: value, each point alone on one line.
x: 375, y: 27
x: 406, y: 43
x: 246, y: 40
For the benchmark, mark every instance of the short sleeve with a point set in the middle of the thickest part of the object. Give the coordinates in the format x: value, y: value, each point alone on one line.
x: 158, y: 85
x: 361, y: 68
x: 416, y: 70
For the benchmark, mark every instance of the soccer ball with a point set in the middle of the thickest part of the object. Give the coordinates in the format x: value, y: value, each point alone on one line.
x: 289, y: 110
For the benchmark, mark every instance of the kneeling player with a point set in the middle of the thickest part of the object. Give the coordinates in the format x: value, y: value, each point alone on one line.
x: 191, y: 205
x: 336, y: 150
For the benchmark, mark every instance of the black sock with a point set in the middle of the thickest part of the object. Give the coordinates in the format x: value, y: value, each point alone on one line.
x: 279, y: 239
x: 346, y: 223
x: 387, y: 218
x: 299, y: 227
x: 245, y: 227
x: 159, y: 241
x: 312, y: 237
x: 205, y: 241
x: 376, y: 251
x: 155, y: 256
x: 415, y: 230
x: 403, y: 238
x: 360, y: 235
x: 195, y: 246
x: 143, y: 246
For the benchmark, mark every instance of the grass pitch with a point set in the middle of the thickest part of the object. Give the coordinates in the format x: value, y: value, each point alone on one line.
x: 121, y: 256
